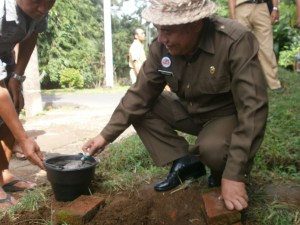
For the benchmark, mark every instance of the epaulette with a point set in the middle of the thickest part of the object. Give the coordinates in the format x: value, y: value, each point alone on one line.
x: 231, y: 28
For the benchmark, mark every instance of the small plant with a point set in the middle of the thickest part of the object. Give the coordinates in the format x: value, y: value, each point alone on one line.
x: 31, y: 201
x: 71, y: 78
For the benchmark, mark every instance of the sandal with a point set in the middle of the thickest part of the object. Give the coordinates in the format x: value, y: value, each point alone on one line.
x: 6, y: 200
x: 10, y: 186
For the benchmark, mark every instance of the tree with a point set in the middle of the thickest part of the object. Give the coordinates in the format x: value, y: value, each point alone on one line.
x: 74, y: 39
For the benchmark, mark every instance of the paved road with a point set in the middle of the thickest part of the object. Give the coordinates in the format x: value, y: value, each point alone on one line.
x: 95, y: 100
x: 63, y: 130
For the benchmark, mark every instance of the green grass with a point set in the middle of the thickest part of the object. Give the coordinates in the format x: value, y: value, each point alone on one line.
x: 126, y: 165
x: 278, y: 160
x: 30, y: 201
x: 279, y: 156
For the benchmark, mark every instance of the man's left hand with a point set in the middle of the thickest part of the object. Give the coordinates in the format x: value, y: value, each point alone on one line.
x: 274, y: 16
x: 234, y: 194
x: 15, y: 89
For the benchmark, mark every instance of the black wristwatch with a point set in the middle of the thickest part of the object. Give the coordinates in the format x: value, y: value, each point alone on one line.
x: 18, y: 77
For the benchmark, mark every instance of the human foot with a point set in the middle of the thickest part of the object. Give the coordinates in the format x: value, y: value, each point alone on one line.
x: 6, y: 200
x: 18, y: 152
x: 11, y: 183
x: 18, y: 185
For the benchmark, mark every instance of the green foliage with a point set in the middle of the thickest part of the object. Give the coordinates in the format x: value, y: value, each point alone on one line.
x: 122, y: 30
x: 71, y: 78
x: 74, y: 39
x: 223, y: 9
x: 287, y: 58
x: 286, y: 35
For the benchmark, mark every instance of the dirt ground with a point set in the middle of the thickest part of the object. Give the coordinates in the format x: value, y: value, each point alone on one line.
x: 142, y: 206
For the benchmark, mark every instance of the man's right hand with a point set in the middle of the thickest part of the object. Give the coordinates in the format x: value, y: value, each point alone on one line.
x: 32, y: 152
x: 95, y: 145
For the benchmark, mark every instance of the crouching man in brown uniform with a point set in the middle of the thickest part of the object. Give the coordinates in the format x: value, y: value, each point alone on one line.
x: 218, y: 93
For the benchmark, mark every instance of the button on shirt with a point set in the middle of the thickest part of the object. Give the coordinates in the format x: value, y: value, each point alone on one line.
x: 223, y: 77
x: 15, y: 27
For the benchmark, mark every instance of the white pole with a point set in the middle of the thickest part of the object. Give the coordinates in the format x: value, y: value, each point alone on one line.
x: 109, y: 74
x: 31, y: 86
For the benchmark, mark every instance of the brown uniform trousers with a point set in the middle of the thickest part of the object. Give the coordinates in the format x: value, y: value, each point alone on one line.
x: 158, y: 131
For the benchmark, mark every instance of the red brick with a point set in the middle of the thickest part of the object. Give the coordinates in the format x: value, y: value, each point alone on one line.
x: 79, y: 211
x: 215, y: 210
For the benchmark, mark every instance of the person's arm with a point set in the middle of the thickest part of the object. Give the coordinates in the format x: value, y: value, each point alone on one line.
x: 249, y: 91
x: 136, y: 67
x: 9, y: 116
x: 275, y: 12
x: 298, y: 12
x: 24, y: 53
x: 135, y: 104
x: 231, y: 5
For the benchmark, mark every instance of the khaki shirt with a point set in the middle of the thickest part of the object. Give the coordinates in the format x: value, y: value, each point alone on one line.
x: 136, y: 53
x: 223, y: 77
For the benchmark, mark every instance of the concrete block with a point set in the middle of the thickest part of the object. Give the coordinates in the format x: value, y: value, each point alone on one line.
x: 80, y: 211
x: 215, y: 210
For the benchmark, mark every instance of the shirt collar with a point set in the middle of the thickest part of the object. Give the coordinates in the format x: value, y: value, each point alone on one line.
x: 206, y: 38
x: 11, y: 10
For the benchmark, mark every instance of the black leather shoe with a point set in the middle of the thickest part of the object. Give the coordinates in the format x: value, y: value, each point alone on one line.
x: 181, y: 170
x: 214, y: 180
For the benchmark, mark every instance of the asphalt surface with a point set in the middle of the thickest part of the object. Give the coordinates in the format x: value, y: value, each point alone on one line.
x: 72, y: 120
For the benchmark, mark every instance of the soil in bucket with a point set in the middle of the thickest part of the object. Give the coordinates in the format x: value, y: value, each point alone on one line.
x: 69, y: 176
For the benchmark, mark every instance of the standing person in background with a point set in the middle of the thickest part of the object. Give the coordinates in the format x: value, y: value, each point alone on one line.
x: 136, y: 54
x: 21, y: 21
x: 255, y: 15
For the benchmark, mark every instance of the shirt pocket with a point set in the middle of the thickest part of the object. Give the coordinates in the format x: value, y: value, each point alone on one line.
x: 215, y: 83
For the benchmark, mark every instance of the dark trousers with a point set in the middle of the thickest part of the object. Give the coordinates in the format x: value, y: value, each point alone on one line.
x: 159, y: 128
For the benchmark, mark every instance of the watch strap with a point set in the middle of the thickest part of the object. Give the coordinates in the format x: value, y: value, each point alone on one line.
x: 20, y: 78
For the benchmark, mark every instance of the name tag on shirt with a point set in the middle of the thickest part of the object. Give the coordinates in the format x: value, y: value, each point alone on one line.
x: 166, y: 73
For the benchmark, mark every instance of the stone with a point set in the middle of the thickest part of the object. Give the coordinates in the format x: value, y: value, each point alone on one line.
x: 80, y: 211
x: 215, y: 210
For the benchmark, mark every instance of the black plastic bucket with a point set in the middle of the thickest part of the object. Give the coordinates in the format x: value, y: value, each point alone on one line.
x: 68, y: 184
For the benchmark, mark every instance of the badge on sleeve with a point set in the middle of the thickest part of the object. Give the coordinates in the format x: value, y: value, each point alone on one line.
x: 166, y: 62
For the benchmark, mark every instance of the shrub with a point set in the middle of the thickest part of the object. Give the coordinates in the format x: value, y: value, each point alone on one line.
x: 71, y: 78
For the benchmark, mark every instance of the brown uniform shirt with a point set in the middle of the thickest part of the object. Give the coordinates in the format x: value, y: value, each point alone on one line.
x: 223, y: 77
